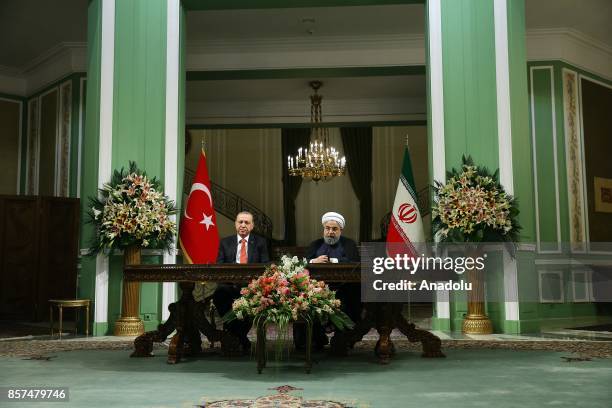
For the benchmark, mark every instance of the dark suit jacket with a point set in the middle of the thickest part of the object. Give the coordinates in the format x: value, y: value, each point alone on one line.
x: 257, y: 251
x: 350, y: 250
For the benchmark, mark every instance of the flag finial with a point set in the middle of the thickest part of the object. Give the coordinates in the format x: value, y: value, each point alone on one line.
x: 203, y: 142
x: 406, y: 139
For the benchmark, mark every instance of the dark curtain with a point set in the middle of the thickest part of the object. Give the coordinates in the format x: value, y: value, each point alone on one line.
x: 291, y: 140
x: 357, y: 143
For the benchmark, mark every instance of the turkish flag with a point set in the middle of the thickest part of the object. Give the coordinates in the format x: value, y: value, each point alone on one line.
x: 198, y: 233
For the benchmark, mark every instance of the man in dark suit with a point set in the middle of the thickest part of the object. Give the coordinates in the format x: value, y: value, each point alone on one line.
x: 333, y: 248
x: 243, y: 247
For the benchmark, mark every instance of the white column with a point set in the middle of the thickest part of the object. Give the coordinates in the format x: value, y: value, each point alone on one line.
x: 172, y: 121
x: 504, y: 136
x: 107, y: 63
x: 436, y: 89
x: 502, y: 71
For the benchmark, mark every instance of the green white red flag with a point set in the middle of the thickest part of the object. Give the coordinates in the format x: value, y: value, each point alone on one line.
x: 406, y: 224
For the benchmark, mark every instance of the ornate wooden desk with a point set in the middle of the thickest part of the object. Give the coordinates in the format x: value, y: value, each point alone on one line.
x: 189, y: 319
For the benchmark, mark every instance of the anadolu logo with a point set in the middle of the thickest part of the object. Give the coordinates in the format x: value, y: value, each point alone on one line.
x: 407, y: 213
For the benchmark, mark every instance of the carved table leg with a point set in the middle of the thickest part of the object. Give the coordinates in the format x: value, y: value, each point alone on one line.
x: 204, y: 325
x: 343, y: 340
x: 431, y: 343
x: 143, y: 344
x: 175, y: 350
x: 384, y: 325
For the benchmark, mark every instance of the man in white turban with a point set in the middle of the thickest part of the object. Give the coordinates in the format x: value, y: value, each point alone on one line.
x: 333, y: 248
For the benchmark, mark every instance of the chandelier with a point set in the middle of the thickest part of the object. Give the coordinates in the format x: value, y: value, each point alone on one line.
x: 319, y: 161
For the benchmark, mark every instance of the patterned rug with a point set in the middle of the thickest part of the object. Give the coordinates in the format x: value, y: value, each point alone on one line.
x: 591, y: 349
x: 282, y: 398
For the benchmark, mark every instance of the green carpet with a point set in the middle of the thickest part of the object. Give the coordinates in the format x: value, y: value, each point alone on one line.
x: 466, y: 378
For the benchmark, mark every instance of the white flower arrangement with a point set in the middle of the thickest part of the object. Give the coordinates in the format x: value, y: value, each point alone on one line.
x: 473, y: 207
x: 132, y: 210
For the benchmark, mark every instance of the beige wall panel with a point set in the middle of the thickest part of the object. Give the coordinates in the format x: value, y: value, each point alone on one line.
x: 9, y: 146
x: 48, y: 138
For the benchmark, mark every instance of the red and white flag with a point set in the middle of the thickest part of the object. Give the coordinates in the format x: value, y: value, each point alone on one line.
x: 406, y: 225
x: 198, y: 233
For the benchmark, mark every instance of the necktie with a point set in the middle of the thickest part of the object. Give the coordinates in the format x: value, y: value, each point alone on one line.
x: 243, y: 254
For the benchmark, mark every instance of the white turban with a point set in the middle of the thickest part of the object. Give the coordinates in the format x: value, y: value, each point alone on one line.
x: 333, y: 216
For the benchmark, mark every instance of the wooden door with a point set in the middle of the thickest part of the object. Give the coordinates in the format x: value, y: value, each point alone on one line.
x: 19, y: 256
x: 59, y: 232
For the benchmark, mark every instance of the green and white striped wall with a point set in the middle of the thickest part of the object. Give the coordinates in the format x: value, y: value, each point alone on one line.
x: 477, y: 89
x: 135, y: 111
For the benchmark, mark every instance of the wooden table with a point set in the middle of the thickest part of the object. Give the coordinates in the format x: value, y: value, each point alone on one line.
x: 70, y: 303
x: 189, y: 318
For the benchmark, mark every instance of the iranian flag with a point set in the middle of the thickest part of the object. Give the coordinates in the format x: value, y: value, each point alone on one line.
x: 406, y: 225
x: 199, y: 236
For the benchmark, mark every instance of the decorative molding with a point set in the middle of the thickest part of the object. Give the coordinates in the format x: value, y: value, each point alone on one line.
x: 62, y: 158
x: 582, y: 164
x: 295, y: 111
x: 59, y: 62
x: 588, y: 286
x: 571, y: 46
x: 526, y: 247
x: 56, y: 52
x: 564, y: 44
x: 283, y: 53
x: 541, y: 280
x: 81, y: 130
x: 338, y: 42
x: 555, y: 159
x: 573, y: 146
x: 33, y: 146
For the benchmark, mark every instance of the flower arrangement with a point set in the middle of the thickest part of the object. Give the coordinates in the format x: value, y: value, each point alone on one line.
x: 473, y: 207
x: 131, y: 210
x: 286, y: 293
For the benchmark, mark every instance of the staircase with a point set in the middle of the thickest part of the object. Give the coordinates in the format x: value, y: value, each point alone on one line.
x: 230, y: 204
